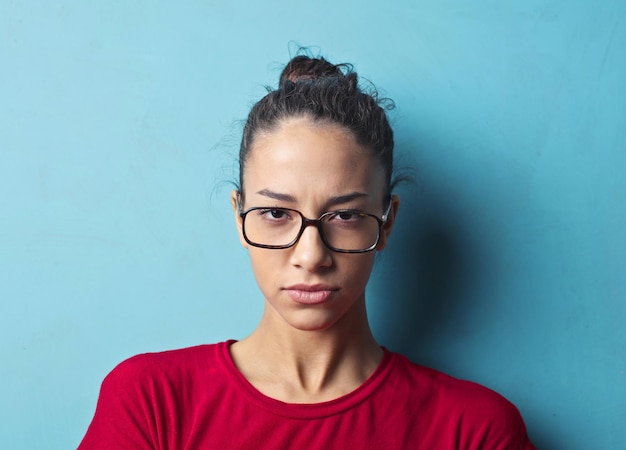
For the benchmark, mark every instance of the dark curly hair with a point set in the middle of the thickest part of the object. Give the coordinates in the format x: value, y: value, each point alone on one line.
x: 323, y: 92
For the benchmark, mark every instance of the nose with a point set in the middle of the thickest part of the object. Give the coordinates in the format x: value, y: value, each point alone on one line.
x: 310, y: 252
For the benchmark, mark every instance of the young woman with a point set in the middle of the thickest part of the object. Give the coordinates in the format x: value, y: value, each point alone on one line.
x: 313, y: 207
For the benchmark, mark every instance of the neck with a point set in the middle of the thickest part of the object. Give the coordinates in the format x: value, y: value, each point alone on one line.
x: 303, y: 366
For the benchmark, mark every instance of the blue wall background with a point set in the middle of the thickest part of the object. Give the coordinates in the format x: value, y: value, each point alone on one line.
x: 118, y: 134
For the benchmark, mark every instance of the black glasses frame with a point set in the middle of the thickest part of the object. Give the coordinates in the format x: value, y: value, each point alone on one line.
x: 317, y: 223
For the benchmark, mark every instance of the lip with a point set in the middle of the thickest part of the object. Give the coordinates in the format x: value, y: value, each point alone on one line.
x: 307, y: 294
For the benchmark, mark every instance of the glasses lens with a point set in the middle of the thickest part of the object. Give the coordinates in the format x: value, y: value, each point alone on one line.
x: 272, y: 226
x: 350, y: 230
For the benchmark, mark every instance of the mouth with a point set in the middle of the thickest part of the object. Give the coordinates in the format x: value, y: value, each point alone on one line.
x: 310, y: 294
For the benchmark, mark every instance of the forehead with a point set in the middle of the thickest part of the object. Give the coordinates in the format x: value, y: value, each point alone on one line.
x: 301, y: 157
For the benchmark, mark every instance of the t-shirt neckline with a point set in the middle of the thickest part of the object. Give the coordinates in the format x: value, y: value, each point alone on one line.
x: 306, y: 410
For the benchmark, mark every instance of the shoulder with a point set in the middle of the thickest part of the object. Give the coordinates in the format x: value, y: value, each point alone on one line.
x: 142, y: 370
x: 442, y: 388
x: 138, y: 397
x: 473, y: 411
x: 168, y: 358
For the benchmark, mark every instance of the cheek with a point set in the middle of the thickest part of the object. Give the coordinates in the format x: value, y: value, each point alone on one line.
x: 264, y: 264
x: 356, y: 269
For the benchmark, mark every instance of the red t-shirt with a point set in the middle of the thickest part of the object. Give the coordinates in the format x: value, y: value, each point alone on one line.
x: 195, y: 398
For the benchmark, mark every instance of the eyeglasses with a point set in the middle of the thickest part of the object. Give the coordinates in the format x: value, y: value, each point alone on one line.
x: 344, y: 231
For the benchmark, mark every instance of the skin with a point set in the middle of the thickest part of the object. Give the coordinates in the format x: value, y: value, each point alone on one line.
x: 301, y: 352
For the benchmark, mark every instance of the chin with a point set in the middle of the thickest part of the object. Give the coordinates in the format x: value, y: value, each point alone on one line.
x: 325, y: 320
x: 308, y: 323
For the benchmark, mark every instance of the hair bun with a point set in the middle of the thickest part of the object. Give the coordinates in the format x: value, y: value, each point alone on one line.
x: 305, y: 68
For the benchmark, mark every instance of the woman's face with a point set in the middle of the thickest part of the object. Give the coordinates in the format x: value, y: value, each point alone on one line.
x: 312, y: 168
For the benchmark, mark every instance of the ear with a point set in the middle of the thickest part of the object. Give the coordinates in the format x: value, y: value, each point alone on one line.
x: 387, y: 227
x: 238, y: 220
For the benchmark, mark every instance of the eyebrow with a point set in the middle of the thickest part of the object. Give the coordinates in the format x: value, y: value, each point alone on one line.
x: 277, y: 195
x: 332, y: 201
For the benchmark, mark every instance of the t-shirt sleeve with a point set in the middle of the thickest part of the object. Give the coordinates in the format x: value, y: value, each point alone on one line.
x: 497, y: 425
x: 507, y: 432
x: 125, y: 416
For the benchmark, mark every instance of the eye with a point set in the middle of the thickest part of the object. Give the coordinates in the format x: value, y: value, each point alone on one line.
x: 347, y: 216
x: 274, y: 214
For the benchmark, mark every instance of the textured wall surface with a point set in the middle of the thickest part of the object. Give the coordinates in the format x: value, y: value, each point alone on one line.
x: 118, y: 135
